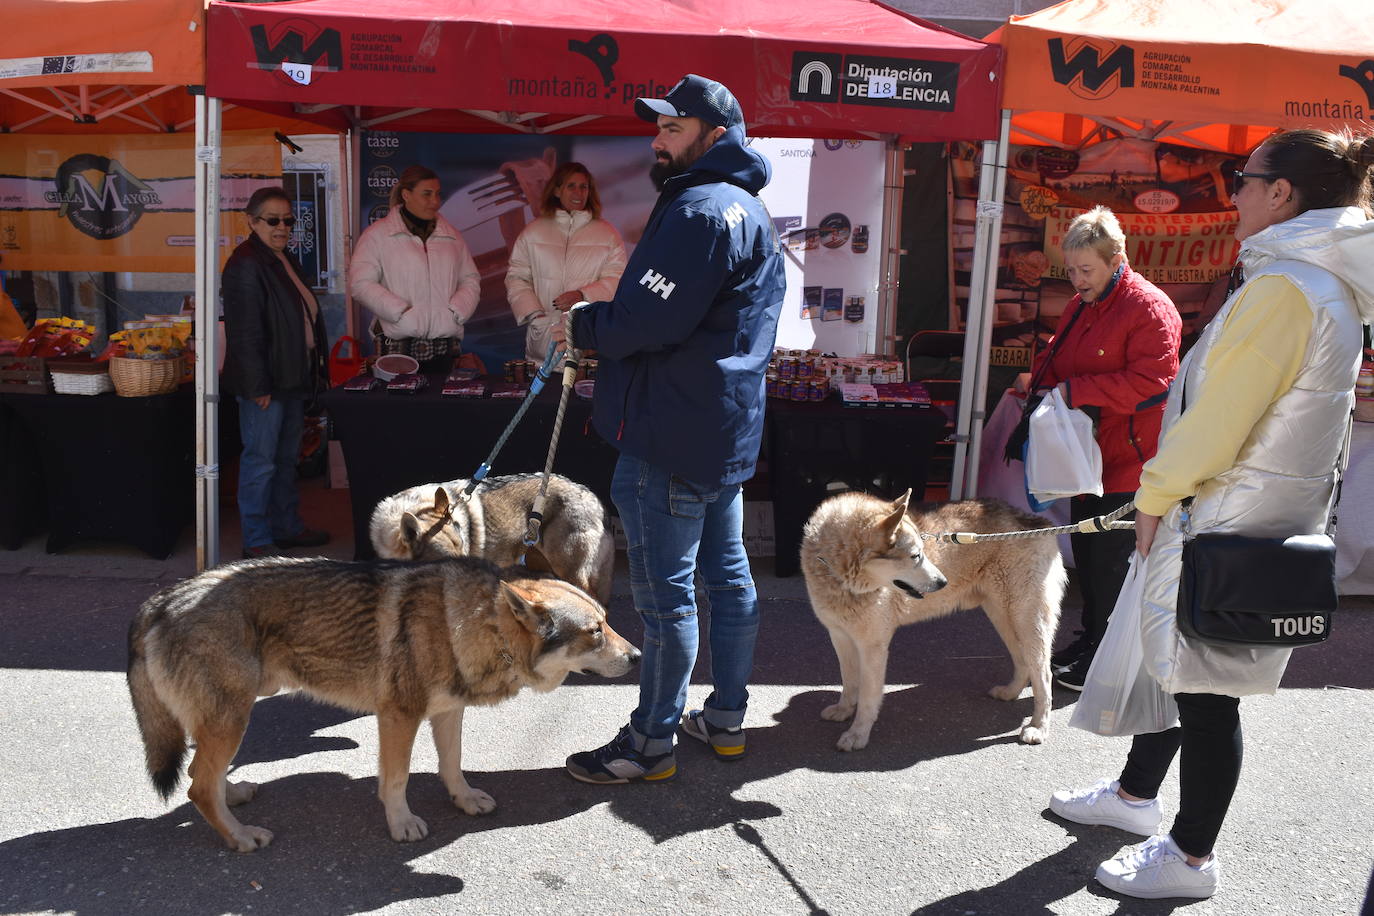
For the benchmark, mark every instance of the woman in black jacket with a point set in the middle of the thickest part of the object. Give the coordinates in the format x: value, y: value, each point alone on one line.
x: 273, y: 363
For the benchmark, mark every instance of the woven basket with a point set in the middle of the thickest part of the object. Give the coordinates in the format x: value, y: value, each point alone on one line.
x: 87, y: 383
x: 138, y: 378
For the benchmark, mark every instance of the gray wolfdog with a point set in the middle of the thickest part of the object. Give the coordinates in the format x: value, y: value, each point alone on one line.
x: 407, y: 641
x: 430, y: 521
x: 869, y: 571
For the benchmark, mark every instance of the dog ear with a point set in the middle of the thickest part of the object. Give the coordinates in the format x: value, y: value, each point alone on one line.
x: 440, y: 500
x: 524, y: 605
x: 410, y: 529
x: 893, y: 522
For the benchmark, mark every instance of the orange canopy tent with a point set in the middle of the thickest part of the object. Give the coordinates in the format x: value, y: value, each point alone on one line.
x: 125, y: 66
x: 109, y: 66
x: 1215, y: 74
x: 1219, y: 74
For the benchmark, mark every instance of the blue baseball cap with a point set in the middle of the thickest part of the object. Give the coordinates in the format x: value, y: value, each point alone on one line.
x: 694, y: 97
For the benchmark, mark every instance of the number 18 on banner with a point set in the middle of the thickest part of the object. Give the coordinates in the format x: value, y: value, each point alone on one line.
x: 879, y: 87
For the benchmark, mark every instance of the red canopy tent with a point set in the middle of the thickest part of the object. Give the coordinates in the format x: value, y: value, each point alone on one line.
x: 822, y: 69
x: 545, y: 65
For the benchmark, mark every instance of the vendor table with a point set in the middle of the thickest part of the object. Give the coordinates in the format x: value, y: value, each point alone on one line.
x: 881, y: 450
x: 113, y: 468
x: 22, y: 508
x: 394, y: 441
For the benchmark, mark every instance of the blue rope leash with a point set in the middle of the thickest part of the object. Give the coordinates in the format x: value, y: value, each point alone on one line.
x: 541, y: 376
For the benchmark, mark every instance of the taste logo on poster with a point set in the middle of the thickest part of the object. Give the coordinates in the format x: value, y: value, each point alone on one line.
x: 382, y: 144
x: 380, y: 180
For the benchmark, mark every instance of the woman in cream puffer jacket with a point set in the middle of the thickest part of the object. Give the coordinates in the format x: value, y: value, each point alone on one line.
x: 567, y: 255
x: 1252, y: 434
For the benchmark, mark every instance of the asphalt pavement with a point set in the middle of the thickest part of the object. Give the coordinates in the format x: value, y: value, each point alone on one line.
x: 944, y: 812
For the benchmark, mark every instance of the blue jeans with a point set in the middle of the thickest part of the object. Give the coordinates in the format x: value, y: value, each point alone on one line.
x: 673, y: 529
x: 269, y: 506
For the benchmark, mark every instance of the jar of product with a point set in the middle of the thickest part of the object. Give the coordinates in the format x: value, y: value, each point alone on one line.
x: 806, y: 367
x: 1364, y: 382
x: 770, y: 385
x: 787, y: 368
x: 801, y: 390
x: 818, y: 390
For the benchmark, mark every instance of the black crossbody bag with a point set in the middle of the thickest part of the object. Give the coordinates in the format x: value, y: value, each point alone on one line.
x: 1248, y: 591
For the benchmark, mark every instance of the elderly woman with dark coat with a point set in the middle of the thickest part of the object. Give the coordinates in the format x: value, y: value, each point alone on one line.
x: 274, y: 363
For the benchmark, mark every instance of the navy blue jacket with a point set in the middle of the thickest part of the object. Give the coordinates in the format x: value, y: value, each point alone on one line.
x: 685, y: 343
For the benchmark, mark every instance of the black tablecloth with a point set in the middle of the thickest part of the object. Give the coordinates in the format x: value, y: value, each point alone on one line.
x: 881, y: 450
x: 115, y: 468
x: 394, y: 441
x: 22, y: 507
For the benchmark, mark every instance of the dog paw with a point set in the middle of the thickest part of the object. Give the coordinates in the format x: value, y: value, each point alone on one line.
x: 853, y: 740
x: 250, y: 839
x: 1032, y: 735
x: 475, y: 801
x: 408, y: 829
x: 236, y: 793
x: 837, y: 712
x: 1003, y: 692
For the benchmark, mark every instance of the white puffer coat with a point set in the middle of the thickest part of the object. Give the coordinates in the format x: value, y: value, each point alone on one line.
x: 416, y: 289
x: 554, y: 255
x: 1283, y: 477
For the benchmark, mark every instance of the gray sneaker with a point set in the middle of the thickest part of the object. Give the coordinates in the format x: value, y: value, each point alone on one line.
x: 1100, y: 804
x: 619, y: 762
x: 728, y: 743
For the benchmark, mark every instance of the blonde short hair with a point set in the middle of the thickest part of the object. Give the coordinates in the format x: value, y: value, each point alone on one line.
x: 1097, y: 229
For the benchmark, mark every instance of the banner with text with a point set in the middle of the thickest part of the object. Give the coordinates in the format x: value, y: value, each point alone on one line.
x: 1173, y: 204
x: 120, y: 203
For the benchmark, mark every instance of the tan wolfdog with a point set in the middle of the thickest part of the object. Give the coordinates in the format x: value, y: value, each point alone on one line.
x: 407, y: 641
x: 869, y: 571
x: 431, y: 521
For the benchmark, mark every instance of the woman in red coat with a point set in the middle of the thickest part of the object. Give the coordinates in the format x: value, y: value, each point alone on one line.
x: 1118, y: 355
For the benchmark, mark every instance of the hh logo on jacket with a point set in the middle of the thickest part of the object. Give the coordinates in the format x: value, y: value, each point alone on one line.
x: 734, y: 215
x: 657, y: 283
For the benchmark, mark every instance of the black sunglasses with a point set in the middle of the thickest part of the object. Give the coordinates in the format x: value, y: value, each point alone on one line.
x: 1238, y: 179
x: 275, y: 221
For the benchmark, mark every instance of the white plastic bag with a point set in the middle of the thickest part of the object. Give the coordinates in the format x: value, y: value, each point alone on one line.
x: 1063, y: 458
x: 1120, y: 697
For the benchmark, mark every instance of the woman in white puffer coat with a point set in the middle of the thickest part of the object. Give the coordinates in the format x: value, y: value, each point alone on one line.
x: 413, y: 270
x: 1252, y: 434
x: 568, y: 255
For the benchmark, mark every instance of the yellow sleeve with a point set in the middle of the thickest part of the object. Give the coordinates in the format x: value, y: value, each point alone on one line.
x: 1256, y: 359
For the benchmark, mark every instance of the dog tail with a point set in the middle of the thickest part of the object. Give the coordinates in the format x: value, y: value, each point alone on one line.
x: 164, y: 740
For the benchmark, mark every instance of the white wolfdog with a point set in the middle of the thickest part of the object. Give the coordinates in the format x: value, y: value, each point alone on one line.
x: 869, y: 570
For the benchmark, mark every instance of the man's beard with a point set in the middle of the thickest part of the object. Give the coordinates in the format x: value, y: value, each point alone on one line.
x: 668, y: 167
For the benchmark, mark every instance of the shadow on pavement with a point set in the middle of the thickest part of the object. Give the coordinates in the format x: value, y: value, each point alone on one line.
x: 1042, y: 882
x: 331, y: 848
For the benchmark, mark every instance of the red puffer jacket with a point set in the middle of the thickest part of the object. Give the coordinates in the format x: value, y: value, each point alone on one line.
x: 1120, y: 356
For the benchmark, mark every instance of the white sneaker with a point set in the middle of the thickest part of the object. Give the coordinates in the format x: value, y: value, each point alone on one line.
x: 1157, y: 868
x: 1101, y: 805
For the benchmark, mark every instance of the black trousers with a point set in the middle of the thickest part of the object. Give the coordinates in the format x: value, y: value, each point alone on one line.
x: 1101, y: 559
x: 1208, y: 771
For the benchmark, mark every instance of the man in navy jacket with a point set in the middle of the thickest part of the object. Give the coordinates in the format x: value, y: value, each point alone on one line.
x: 683, y: 348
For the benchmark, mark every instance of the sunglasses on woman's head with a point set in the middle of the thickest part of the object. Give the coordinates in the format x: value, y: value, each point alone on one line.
x: 1238, y: 179
x: 274, y: 221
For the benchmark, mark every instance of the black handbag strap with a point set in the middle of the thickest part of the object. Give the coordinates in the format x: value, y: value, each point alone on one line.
x: 1054, y: 348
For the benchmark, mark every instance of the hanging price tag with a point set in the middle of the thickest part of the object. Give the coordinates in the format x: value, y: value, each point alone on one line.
x: 298, y: 72
x: 882, y: 87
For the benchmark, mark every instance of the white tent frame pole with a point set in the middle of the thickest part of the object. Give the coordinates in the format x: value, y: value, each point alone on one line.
x: 208, y: 117
x: 987, y: 239
x: 894, y: 182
